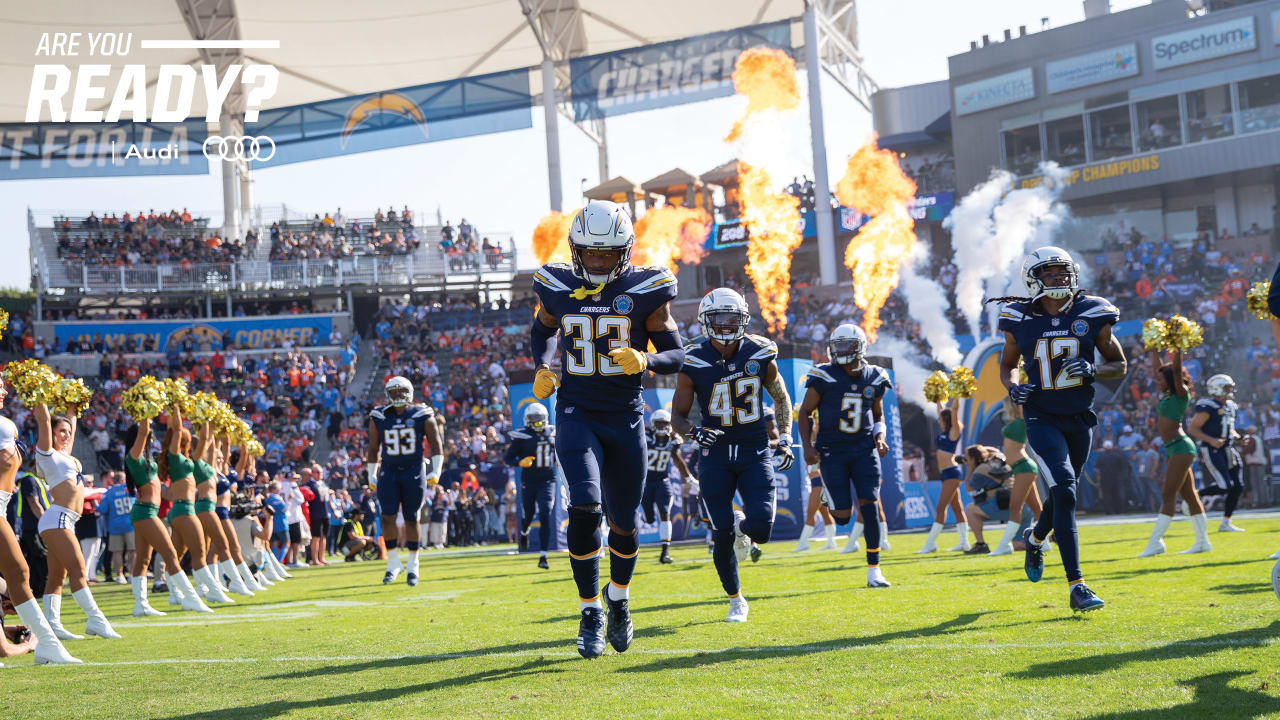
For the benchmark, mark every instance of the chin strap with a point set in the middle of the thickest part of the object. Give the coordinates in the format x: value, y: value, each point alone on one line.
x: 582, y: 292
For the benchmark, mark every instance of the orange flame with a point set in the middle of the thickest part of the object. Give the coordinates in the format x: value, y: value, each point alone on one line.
x: 875, y: 184
x: 773, y: 224
x: 767, y: 77
x: 670, y: 234
x: 551, y: 238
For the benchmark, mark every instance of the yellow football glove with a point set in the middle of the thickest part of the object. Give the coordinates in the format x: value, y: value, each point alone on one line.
x: 526, y: 462
x: 545, y: 383
x: 631, y: 360
x: 433, y: 480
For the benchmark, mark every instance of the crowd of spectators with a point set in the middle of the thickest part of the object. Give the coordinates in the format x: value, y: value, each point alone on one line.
x: 130, y: 241
x: 335, y: 236
x: 931, y: 172
x: 465, y: 250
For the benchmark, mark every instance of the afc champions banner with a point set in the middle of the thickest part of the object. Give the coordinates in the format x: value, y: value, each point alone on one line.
x: 258, y: 332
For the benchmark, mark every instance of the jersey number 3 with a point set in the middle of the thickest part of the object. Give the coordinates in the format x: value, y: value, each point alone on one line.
x: 400, y: 441
x: 851, y: 406
x: 1050, y: 349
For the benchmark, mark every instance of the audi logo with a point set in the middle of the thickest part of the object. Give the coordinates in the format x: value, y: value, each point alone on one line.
x: 238, y: 148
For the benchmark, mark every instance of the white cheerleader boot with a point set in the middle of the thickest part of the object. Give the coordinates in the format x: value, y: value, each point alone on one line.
x: 235, y: 583
x: 931, y: 540
x: 247, y: 576
x: 188, y: 598
x: 142, y: 608
x: 53, y: 614
x: 1155, y: 545
x: 97, y: 623
x: 213, y: 591
x: 49, y: 649
x: 1005, y: 547
x: 962, y: 531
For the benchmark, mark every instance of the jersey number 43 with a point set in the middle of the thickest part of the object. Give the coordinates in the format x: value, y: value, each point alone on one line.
x: 746, y: 389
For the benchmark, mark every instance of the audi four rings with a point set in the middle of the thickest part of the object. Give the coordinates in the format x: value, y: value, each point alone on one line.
x: 238, y: 148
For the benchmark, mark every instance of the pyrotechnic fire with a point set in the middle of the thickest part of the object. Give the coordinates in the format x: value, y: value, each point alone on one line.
x: 767, y: 78
x: 773, y: 224
x: 875, y: 184
x: 551, y: 238
x: 671, y: 234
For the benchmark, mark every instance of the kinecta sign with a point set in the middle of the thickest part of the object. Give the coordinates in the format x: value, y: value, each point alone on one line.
x: 994, y: 91
x: 1203, y: 43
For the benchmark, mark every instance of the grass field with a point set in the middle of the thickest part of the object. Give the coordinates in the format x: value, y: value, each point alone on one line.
x: 491, y: 635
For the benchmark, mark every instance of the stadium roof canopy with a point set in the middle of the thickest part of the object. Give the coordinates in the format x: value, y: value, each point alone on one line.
x: 330, y: 49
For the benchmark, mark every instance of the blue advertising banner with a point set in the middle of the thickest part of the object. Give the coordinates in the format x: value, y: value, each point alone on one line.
x: 927, y: 208
x: 60, y: 150
x: 665, y: 74
x: 254, y: 332
x: 406, y: 116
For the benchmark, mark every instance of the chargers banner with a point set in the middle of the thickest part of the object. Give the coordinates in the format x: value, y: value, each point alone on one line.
x: 665, y: 74
x: 59, y: 150
x: 406, y: 116
x: 245, y: 332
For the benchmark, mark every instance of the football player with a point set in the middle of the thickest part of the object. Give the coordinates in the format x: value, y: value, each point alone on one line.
x: 398, y: 431
x: 1055, y: 333
x: 606, y: 312
x: 848, y: 394
x: 533, y: 448
x: 1213, y: 423
x: 729, y: 371
x: 664, y: 451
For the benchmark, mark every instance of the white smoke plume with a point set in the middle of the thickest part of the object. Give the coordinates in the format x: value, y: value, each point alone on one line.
x: 928, y: 305
x: 993, y: 227
x: 909, y: 371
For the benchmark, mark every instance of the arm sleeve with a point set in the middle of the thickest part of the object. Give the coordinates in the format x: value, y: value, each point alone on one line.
x: 670, y: 355
x: 540, y: 342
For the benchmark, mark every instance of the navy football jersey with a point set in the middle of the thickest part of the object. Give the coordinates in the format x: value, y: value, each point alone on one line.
x: 1047, y: 341
x: 402, y: 436
x: 658, y: 457
x: 595, y: 325
x: 1222, y: 417
x: 844, y: 411
x: 540, y: 446
x: 731, y: 392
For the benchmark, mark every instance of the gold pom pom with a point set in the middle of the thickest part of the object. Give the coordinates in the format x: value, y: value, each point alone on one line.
x: 145, y: 400
x: 4, y: 322
x: 962, y: 383
x: 72, y: 396
x: 1256, y: 299
x: 1183, y: 334
x: 1154, y: 334
x: 34, y: 382
x: 935, y: 387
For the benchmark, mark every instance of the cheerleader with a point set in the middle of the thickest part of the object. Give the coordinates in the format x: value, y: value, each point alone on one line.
x: 57, y: 525
x: 13, y: 565
x: 187, y: 532
x: 950, y: 474
x: 228, y: 482
x: 208, y: 456
x: 1025, y: 471
x: 149, y: 530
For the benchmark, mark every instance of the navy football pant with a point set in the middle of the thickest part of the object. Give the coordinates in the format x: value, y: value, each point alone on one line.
x: 657, y: 496
x: 539, y: 495
x: 602, y: 455
x: 747, y: 470
x: 1223, y: 475
x: 1062, y: 443
x: 401, y: 492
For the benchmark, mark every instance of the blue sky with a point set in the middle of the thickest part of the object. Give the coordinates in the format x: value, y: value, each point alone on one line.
x: 499, y: 182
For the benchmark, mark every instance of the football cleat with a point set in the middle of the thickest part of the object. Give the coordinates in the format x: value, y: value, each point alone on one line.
x: 542, y: 562
x: 412, y: 579
x: 1083, y: 599
x: 737, y: 609
x: 875, y: 578
x: 591, y: 633
x: 391, y: 576
x: 741, y: 543
x: 1274, y: 556
x: 756, y: 553
x: 979, y: 548
x: 523, y: 545
x: 620, y: 630
x: 1034, y: 562
x: 665, y: 557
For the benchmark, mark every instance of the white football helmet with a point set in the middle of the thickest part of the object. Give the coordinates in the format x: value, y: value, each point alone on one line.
x: 1044, y: 257
x: 1221, y: 386
x: 399, y: 391
x: 535, y: 417
x: 847, y: 344
x: 661, y: 422
x: 601, y: 226
x: 724, y: 315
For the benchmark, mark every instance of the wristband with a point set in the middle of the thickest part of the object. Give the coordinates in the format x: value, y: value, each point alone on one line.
x: 879, y: 429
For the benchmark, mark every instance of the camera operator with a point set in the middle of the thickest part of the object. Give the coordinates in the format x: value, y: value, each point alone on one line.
x: 989, y: 481
x: 352, y: 538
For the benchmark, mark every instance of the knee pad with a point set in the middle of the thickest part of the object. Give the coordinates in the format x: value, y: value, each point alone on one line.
x: 723, y: 539
x: 756, y: 529
x: 623, y: 525
x: 623, y: 544
x: 870, y: 513
x: 1064, y: 496
x: 841, y: 516
x: 583, y: 533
